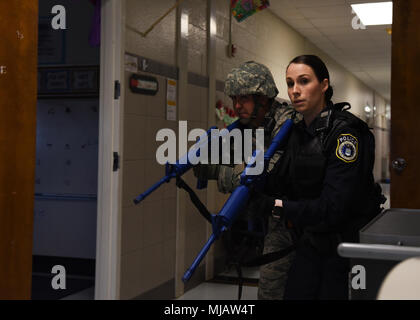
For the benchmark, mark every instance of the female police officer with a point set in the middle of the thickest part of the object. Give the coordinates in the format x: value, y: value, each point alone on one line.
x: 323, y: 187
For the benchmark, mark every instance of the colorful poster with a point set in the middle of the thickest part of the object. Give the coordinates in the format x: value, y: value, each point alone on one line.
x: 171, y: 89
x: 242, y: 9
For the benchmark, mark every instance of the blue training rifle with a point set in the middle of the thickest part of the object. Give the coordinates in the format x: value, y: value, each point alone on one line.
x: 239, y: 198
x: 183, y: 165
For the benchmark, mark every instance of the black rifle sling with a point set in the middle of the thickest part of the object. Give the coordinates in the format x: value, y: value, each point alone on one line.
x: 259, y: 261
x: 269, y: 257
x: 194, y: 198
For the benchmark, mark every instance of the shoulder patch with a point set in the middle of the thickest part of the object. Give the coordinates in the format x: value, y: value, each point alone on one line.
x: 347, y: 148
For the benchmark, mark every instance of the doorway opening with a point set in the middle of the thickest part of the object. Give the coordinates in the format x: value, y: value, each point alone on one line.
x: 66, y: 174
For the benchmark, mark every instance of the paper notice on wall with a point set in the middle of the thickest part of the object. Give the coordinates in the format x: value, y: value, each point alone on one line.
x: 131, y: 63
x: 57, y: 80
x: 171, y: 99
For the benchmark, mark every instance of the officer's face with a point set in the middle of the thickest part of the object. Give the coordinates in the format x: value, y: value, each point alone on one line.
x: 305, y: 91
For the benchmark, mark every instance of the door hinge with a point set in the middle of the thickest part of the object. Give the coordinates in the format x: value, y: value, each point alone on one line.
x: 117, y: 90
x: 116, y: 162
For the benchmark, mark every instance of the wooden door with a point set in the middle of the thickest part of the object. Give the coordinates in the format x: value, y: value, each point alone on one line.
x: 405, y: 104
x: 18, y: 95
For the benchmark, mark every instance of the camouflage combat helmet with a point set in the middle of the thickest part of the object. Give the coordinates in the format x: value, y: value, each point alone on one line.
x: 250, y: 78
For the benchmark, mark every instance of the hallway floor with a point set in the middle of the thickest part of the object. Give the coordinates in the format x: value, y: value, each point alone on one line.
x: 204, y: 291
x: 218, y: 289
x: 221, y: 289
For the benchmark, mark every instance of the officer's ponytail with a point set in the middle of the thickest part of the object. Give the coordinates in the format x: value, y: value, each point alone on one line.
x: 319, y: 68
x: 329, y: 93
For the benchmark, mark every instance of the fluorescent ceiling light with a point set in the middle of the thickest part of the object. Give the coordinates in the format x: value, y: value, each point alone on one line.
x: 375, y: 13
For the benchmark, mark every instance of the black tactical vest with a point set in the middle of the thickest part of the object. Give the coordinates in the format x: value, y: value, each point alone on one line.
x: 304, y: 163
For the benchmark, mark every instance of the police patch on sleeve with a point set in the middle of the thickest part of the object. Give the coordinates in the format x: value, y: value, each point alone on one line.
x: 347, y: 148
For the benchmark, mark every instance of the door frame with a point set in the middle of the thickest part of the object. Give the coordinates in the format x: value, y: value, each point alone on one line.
x: 109, y: 207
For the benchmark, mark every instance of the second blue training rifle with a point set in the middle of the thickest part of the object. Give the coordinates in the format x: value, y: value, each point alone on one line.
x: 238, y: 199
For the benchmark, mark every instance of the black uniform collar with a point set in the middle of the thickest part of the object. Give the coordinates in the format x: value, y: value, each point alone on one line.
x: 320, y: 123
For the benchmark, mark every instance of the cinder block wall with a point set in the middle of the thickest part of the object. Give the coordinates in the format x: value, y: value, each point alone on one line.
x: 149, y: 229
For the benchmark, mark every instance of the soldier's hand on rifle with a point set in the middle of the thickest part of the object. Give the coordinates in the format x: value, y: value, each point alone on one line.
x: 206, y: 171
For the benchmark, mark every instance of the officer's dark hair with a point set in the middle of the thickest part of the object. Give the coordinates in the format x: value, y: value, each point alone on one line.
x: 320, y: 70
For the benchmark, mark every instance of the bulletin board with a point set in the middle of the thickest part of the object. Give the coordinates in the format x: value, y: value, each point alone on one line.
x: 66, y: 174
x: 67, y: 146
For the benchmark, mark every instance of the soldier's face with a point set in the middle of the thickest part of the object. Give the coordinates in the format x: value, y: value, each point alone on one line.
x: 243, y: 106
x: 305, y: 91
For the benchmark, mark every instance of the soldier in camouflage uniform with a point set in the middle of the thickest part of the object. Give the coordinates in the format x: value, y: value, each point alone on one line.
x: 252, y: 89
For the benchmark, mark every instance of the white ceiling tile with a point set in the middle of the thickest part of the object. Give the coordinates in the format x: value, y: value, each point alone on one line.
x: 326, y: 12
x: 311, y: 3
x: 300, y: 23
x: 319, y: 39
x: 358, y: 47
x: 309, y: 32
x: 329, y: 48
x: 361, y: 38
x: 276, y: 4
x: 332, y: 22
x: 376, y: 29
x: 344, y: 30
x: 289, y: 13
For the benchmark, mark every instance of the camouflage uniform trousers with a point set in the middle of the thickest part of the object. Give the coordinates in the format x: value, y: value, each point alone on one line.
x: 273, y: 276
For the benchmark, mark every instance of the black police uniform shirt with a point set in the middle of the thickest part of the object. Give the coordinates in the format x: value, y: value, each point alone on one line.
x: 329, y: 186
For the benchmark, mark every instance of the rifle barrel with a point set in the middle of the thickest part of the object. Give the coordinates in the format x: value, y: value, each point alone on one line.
x: 152, y: 188
x: 188, y: 274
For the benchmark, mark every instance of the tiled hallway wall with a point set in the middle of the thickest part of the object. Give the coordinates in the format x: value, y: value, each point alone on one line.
x: 149, y: 229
